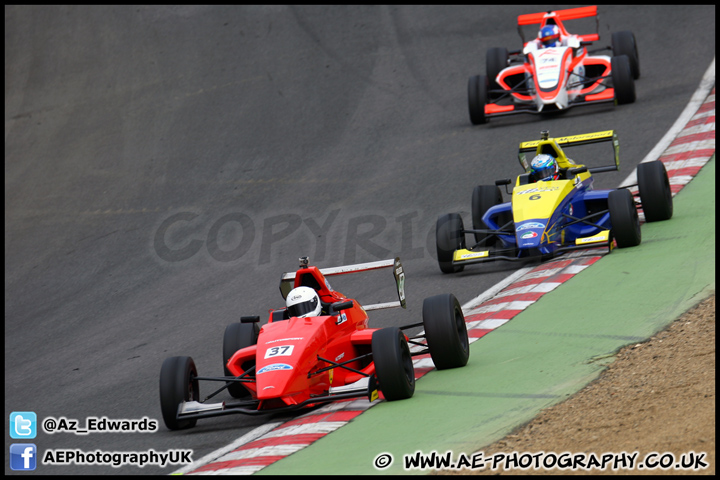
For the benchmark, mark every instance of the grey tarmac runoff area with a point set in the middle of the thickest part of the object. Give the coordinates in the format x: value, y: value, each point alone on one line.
x: 164, y: 165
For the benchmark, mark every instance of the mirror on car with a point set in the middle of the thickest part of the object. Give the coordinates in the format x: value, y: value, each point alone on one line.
x: 339, y: 306
x: 574, y: 171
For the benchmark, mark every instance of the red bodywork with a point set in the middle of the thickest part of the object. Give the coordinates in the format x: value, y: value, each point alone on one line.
x: 590, y: 92
x: 558, y: 17
x: 288, y: 356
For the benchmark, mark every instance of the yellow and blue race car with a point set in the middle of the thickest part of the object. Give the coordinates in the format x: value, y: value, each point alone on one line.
x: 554, y: 208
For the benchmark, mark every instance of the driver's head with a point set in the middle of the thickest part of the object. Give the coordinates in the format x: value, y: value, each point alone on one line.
x: 550, y: 36
x: 544, y: 167
x: 303, y: 302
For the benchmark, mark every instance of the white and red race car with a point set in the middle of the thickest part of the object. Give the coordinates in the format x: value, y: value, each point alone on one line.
x: 555, y: 78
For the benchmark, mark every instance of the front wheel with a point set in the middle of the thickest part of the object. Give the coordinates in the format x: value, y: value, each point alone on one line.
x: 623, y: 43
x: 483, y: 198
x: 449, y: 237
x: 236, y: 337
x: 477, y: 98
x: 655, y: 192
x: 446, y: 331
x: 624, y: 218
x: 178, y: 383
x: 496, y: 60
x: 393, y: 364
x: 623, y: 82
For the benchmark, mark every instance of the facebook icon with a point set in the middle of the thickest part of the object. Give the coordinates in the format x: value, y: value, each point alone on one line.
x: 23, y: 456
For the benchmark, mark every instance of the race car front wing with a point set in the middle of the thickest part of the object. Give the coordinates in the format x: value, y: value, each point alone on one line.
x: 481, y: 254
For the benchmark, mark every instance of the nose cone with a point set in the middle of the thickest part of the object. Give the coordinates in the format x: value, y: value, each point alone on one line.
x: 286, y: 352
x: 529, y: 234
x: 273, y: 380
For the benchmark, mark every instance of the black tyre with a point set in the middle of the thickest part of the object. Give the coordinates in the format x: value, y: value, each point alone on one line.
x: 624, y: 218
x: 177, y: 384
x: 496, y: 60
x: 623, y: 43
x: 446, y: 331
x: 237, y: 336
x: 393, y: 364
x: 477, y: 98
x: 448, y: 238
x: 622, y: 80
x: 655, y: 193
x: 483, y: 198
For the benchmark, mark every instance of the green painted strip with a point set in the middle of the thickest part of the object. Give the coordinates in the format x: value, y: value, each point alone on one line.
x: 543, y: 355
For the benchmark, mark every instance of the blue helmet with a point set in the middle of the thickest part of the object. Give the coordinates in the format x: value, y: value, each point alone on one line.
x: 544, y: 167
x: 550, y: 36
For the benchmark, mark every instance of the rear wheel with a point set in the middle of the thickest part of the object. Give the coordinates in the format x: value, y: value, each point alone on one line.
x: 446, y: 331
x: 623, y: 43
x: 448, y: 238
x: 178, y: 383
x: 624, y: 218
x: 237, y: 336
x: 496, y: 60
x: 655, y: 192
x: 623, y: 82
x: 477, y: 98
x: 393, y: 364
x: 483, y: 198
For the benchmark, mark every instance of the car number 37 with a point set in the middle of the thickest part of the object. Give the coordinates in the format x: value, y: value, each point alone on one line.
x: 279, y: 351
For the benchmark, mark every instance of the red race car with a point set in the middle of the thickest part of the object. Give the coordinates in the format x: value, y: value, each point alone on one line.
x: 554, y: 71
x: 317, y: 349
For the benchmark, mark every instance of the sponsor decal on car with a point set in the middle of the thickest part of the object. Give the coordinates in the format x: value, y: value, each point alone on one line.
x: 537, y: 190
x: 600, y: 237
x: 274, y: 367
x: 571, y: 139
x: 467, y: 254
x: 529, y: 235
x: 527, y: 225
x: 283, y: 340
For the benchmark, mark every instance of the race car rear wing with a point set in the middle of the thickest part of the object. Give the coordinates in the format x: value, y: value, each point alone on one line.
x: 287, y: 281
x: 552, y: 147
x: 557, y: 17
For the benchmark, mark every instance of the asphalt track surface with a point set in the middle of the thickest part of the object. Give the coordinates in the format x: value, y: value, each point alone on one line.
x: 139, y: 140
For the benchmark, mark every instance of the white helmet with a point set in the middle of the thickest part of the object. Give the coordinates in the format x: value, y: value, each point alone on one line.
x: 303, y: 302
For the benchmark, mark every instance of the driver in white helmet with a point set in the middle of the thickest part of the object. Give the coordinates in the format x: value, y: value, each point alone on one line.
x: 303, y: 302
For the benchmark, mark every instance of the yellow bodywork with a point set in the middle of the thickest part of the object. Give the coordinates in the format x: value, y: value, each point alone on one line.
x: 539, y: 200
x: 600, y: 237
x: 545, y: 145
x: 464, y: 254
